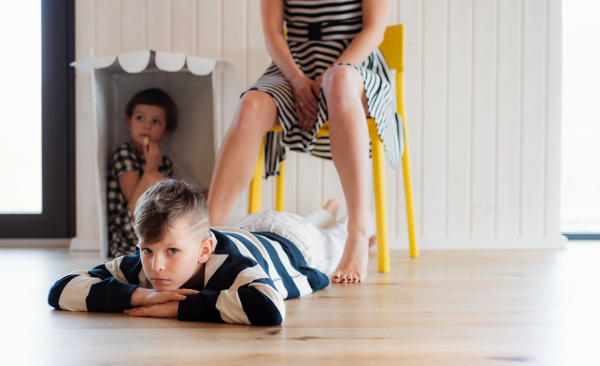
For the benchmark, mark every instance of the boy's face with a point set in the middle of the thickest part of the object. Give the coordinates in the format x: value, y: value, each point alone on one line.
x: 174, y: 260
x: 147, y: 121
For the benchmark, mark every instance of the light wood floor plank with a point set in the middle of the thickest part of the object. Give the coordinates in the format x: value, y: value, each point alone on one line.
x: 445, y: 308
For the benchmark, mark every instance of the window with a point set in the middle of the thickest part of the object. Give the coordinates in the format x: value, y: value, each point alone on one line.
x: 580, y: 201
x: 37, y: 186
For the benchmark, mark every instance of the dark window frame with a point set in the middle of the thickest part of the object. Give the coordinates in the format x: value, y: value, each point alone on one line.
x: 57, y: 219
x: 582, y: 236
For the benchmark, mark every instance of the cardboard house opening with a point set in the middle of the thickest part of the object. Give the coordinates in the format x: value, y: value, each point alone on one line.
x: 189, y: 80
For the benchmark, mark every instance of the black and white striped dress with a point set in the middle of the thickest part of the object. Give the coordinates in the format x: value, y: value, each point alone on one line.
x: 318, y: 31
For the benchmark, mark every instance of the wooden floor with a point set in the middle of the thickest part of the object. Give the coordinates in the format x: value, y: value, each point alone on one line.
x: 445, y: 308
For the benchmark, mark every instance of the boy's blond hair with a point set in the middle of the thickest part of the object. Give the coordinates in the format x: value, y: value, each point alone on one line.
x: 163, y: 204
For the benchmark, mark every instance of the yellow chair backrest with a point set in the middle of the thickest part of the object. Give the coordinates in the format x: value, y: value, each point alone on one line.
x: 392, y: 47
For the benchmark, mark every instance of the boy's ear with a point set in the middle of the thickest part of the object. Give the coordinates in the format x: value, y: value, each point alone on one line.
x: 166, y: 134
x: 206, y: 249
x: 128, y: 123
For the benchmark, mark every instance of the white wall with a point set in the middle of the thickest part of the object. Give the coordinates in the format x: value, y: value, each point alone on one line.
x: 483, y: 106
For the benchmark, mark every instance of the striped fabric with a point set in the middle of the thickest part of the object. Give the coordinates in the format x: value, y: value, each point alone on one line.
x: 318, y: 31
x: 246, y: 280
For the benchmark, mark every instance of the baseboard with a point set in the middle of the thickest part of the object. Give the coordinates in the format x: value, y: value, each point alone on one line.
x: 559, y: 242
x: 85, y: 245
x: 35, y: 243
x: 93, y: 245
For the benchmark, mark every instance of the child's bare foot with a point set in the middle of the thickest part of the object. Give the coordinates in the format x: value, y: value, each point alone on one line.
x: 353, y: 266
x: 332, y: 206
x: 373, y: 241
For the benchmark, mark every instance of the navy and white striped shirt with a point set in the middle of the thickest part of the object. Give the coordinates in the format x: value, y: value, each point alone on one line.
x: 246, y: 280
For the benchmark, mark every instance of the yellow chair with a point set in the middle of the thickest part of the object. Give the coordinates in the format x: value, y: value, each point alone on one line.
x: 392, y: 48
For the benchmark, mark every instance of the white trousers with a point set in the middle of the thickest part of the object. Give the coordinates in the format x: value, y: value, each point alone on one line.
x: 317, y: 235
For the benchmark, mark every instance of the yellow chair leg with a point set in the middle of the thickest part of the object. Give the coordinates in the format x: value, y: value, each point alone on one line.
x: 383, y: 251
x: 408, y: 192
x: 280, y: 194
x: 256, y: 183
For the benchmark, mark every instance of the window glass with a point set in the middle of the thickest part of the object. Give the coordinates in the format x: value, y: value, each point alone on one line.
x: 580, y: 185
x: 20, y: 107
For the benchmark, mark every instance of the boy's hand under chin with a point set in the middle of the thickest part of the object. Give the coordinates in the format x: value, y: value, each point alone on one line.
x: 165, y: 310
x: 163, y: 304
x: 143, y: 297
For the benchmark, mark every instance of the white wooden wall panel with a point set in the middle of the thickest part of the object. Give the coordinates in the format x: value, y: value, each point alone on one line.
x: 534, y: 118
x: 458, y: 158
x: 209, y: 28
x: 554, y: 112
x: 435, y: 67
x: 508, y: 192
x: 158, y: 24
x: 483, y: 137
x: 133, y: 25
x: 108, y: 27
x: 482, y: 82
x: 183, y: 30
x: 87, y: 207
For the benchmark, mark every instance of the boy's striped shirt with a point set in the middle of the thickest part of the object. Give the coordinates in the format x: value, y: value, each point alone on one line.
x: 246, y: 280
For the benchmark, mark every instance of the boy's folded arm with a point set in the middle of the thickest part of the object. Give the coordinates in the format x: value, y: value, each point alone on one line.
x: 102, y: 289
x: 257, y: 303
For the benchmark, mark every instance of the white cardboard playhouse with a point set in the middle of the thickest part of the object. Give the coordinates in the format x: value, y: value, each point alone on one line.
x: 189, y: 80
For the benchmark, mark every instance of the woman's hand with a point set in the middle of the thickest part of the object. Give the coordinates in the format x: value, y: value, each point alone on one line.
x: 153, y: 156
x: 306, y: 101
x: 147, y: 297
x: 316, y: 86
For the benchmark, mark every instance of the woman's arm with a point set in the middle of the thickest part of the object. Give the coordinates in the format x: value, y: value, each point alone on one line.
x: 375, y: 16
x: 272, y: 17
x: 306, y: 101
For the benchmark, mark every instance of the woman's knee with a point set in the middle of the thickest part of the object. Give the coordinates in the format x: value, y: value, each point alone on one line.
x: 256, y: 111
x: 340, y: 81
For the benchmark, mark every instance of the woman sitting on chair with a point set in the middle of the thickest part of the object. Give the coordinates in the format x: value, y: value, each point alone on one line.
x: 328, y: 69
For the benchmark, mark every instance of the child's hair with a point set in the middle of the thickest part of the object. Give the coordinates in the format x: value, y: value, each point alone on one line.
x: 165, y: 202
x: 158, y: 98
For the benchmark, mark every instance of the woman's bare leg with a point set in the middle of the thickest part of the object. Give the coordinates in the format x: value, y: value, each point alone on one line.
x: 349, y: 138
x: 237, y: 157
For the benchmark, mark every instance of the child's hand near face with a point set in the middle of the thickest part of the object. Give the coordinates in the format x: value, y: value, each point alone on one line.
x: 153, y: 156
x: 166, y: 310
x: 146, y: 297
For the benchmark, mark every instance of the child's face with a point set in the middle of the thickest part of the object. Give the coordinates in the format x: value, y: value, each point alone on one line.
x: 147, y: 121
x: 173, y: 261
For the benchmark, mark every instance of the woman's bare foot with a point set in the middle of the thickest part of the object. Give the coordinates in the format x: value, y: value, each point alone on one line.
x: 353, y: 266
x: 332, y: 207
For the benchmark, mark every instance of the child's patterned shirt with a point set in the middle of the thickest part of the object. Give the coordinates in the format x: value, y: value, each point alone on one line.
x: 121, y: 237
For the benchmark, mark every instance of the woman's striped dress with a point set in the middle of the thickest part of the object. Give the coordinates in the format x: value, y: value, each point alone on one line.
x: 318, y: 31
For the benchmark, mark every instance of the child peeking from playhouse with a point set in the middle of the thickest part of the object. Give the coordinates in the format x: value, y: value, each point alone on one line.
x: 182, y: 268
x: 150, y: 116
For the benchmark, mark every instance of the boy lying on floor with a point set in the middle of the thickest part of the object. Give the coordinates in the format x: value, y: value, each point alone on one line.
x: 184, y: 269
